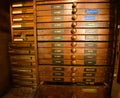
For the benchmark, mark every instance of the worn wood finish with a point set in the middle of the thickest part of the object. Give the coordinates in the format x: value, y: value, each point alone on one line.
x: 74, y: 44
x: 68, y: 91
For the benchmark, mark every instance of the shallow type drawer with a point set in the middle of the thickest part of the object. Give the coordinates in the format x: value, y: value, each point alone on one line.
x: 74, y: 56
x: 22, y: 17
x: 22, y: 58
x: 73, y: 24
x: 75, y: 38
x: 81, y: 71
x: 82, y: 11
x: 22, y: 10
x: 23, y: 25
x: 22, y: 4
x: 74, y: 31
x: 21, y: 45
x: 73, y: 50
x: 74, y: 17
x: 73, y: 91
x: 20, y: 64
x: 67, y: 6
x: 75, y: 44
x: 21, y: 51
x: 74, y: 62
x: 74, y: 79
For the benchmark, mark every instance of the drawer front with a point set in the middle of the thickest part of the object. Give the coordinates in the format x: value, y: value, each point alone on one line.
x: 22, y: 4
x: 74, y: 56
x: 74, y: 17
x: 80, y: 71
x: 73, y: 24
x: 75, y: 38
x: 69, y: 91
x: 22, y: 17
x: 67, y: 6
x: 21, y: 45
x: 73, y: 50
x: 74, y: 79
x: 75, y: 62
x: 70, y: 11
x: 73, y: 31
x: 22, y: 10
x: 75, y: 44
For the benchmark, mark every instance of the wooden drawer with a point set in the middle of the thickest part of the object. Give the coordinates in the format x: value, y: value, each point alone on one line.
x: 22, y: 58
x: 22, y: 10
x: 81, y: 11
x: 74, y: 62
x: 21, y: 51
x: 22, y: 17
x: 22, y: 4
x: 73, y: 50
x: 19, y: 64
x: 23, y: 32
x: 23, y: 71
x: 73, y: 79
x: 74, y: 56
x: 73, y: 24
x: 23, y: 25
x: 74, y: 17
x: 74, y: 71
x: 73, y: 91
x: 75, y: 44
x: 73, y: 31
x: 75, y: 38
x: 62, y: 5
x: 22, y: 45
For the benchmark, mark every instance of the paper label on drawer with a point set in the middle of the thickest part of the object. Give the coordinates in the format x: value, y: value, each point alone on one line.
x: 57, y: 25
x: 17, y: 12
x: 17, y: 5
x: 90, y: 57
x: 57, y: 56
x: 57, y: 31
x: 57, y: 45
x: 58, y: 74
x: 88, y: 74
x: 89, y: 18
x: 94, y: 45
x: 57, y: 51
x: 57, y: 18
x: 60, y: 6
x: 57, y: 62
x: 17, y: 19
x: 92, y: 11
x: 90, y: 69
x: 58, y: 79
x: 58, y: 69
x: 91, y: 24
x: 89, y: 90
x: 16, y: 39
x: 91, y: 38
x: 57, y: 12
x: 57, y: 37
x: 90, y: 51
x: 91, y: 31
x: 90, y: 62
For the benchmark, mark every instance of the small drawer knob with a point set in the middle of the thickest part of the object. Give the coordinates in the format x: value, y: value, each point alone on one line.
x: 74, y: 4
x: 74, y: 37
x: 74, y: 44
x: 74, y: 24
x: 74, y: 62
x: 74, y: 17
